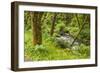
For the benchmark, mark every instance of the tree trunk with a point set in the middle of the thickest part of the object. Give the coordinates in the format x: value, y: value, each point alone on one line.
x: 36, y: 27
x: 82, y: 26
x: 76, y: 15
x: 53, y: 24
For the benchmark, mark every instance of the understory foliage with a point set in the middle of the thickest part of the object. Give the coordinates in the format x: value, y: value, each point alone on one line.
x: 64, y: 36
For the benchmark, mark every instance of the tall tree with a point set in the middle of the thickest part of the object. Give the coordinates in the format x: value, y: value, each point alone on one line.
x: 76, y: 15
x: 53, y: 23
x: 36, y: 27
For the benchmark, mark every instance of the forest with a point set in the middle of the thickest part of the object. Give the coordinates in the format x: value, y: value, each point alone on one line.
x: 56, y: 36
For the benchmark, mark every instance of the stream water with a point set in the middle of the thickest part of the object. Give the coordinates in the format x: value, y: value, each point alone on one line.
x: 65, y: 41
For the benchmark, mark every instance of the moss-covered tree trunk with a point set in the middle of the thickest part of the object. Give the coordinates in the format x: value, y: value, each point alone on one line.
x: 53, y: 24
x: 36, y: 27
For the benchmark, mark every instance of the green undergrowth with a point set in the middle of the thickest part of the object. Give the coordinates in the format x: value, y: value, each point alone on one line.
x: 48, y: 50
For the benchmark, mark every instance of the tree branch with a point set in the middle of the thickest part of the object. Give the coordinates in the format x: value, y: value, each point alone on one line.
x: 79, y: 31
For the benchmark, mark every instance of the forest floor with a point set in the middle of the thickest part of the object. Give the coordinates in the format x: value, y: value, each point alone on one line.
x: 48, y: 51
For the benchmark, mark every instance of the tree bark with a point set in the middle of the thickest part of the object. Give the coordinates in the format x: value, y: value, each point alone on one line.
x: 53, y: 24
x: 36, y: 27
